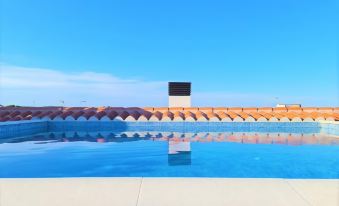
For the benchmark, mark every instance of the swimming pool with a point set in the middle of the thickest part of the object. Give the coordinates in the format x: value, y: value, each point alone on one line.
x: 251, y: 152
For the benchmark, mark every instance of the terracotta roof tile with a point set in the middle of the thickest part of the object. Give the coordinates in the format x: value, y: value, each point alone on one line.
x: 112, y: 114
x: 190, y: 116
x: 232, y: 114
x: 211, y: 115
x: 235, y: 109
x: 5, y: 118
x: 201, y: 115
x: 243, y: 115
x: 206, y: 109
x: 325, y: 109
x: 36, y: 113
x: 250, y: 109
x: 44, y: 114
x: 156, y: 116
x: 294, y: 109
x: 55, y: 114
x: 76, y: 115
x: 265, y: 109
x: 218, y: 109
x: 309, y: 109
x: 280, y: 109
x: 265, y: 114
x: 191, y: 109
x: 4, y: 113
x: 100, y: 114
x: 255, y: 115
x: 14, y: 114
x: 178, y: 115
x: 159, y: 114
x: 150, y: 109
x: 161, y: 109
x: 66, y: 114
x: 223, y: 115
x: 173, y: 109
x: 167, y: 115
x: 89, y: 114
x: 123, y: 115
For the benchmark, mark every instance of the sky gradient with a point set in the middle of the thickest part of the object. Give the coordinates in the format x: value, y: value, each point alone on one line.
x: 123, y: 53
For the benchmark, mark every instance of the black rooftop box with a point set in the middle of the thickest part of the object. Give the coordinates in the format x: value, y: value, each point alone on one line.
x: 179, y: 88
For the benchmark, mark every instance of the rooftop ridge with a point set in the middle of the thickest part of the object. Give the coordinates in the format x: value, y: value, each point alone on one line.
x: 229, y: 114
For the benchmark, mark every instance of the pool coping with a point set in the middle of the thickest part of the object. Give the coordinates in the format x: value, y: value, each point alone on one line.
x: 168, y: 191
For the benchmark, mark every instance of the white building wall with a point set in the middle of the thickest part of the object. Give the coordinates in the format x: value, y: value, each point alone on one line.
x: 179, y: 101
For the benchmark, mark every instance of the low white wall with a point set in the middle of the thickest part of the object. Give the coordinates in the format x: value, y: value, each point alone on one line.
x: 179, y: 101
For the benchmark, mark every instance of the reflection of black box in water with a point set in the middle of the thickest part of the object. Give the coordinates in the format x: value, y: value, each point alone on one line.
x: 180, y: 158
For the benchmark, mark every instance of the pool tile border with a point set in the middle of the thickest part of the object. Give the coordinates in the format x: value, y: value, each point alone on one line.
x: 22, y: 128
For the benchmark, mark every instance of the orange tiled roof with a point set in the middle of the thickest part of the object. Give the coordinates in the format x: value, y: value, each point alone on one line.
x: 170, y: 114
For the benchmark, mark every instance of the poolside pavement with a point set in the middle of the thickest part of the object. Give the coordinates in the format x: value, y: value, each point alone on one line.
x: 168, y: 191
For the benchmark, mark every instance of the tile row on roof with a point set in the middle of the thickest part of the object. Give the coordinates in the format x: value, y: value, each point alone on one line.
x: 170, y: 114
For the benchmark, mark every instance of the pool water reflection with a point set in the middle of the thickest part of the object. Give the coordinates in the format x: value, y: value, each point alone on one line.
x: 171, y: 154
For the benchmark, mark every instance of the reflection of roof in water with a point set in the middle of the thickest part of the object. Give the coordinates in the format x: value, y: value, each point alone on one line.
x: 236, y: 137
x: 171, y: 114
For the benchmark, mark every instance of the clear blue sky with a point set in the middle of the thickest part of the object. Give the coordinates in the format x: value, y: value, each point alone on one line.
x: 242, y: 48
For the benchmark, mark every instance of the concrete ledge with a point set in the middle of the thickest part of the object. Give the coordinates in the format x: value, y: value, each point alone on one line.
x: 69, y: 192
x: 168, y: 191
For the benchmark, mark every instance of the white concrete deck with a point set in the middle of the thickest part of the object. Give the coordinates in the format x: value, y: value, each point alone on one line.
x: 168, y: 191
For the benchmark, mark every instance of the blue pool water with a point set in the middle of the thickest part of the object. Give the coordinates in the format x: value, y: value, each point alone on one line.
x: 170, y: 154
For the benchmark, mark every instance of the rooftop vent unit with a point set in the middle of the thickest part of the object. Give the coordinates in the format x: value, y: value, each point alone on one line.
x: 289, y: 105
x: 179, y: 94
